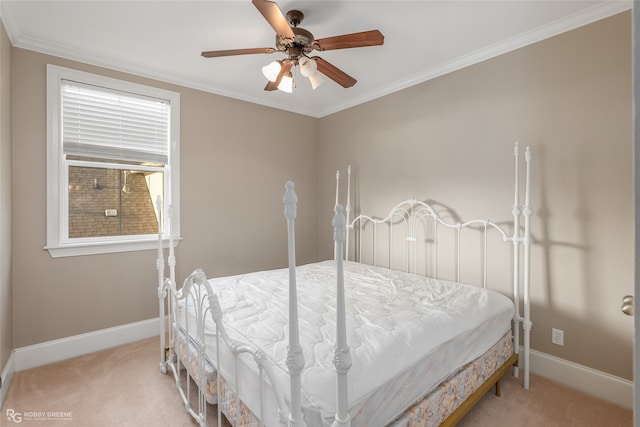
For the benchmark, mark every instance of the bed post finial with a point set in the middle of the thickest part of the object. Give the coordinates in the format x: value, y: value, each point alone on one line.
x: 290, y: 200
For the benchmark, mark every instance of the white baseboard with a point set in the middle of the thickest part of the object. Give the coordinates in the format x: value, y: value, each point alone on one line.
x: 7, y: 376
x: 596, y: 383
x: 78, y: 345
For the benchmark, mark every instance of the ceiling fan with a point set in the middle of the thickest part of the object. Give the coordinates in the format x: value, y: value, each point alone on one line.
x: 297, y: 44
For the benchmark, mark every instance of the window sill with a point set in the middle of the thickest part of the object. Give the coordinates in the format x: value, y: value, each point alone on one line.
x: 95, y: 248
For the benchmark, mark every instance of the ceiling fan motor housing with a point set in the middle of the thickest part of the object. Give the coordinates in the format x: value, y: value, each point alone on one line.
x: 302, y: 42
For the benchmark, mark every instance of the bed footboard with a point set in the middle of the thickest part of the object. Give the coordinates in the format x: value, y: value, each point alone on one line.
x: 188, y: 309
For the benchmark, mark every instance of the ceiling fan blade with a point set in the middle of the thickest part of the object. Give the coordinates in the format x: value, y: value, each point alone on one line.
x: 286, y: 67
x: 334, y: 73
x: 232, y: 52
x: 271, y: 86
x: 365, y: 38
x: 274, y: 17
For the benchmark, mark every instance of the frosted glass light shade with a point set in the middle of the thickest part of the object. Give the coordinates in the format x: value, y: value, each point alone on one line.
x: 286, y: 84
x: 271, y: 71
x: 316, y: 80
x: 307, y: 66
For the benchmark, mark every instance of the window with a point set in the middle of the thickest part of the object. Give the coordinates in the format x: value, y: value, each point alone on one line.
x: 112, y: 153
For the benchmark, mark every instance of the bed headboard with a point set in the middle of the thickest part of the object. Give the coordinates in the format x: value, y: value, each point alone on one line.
x: 415, y: 237
x: 428, y: 238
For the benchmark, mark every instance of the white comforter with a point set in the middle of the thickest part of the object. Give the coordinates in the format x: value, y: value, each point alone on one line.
x: 406, y: 333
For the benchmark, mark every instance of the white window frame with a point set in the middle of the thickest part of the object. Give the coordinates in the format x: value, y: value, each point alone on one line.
x: 58, y: 244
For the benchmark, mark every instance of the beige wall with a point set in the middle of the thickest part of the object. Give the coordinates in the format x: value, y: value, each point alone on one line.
x: 235, y: 160
x: 6, y: 307
x: 450, y: 140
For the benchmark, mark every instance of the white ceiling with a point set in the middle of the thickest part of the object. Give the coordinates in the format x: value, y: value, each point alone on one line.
x: 163, y: 40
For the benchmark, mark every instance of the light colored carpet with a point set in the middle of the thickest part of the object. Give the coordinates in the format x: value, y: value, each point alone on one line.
x: 546, y: 403
x: 123, y: 386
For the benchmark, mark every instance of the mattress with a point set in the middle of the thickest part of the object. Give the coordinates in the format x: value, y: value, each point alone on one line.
x: 406, y: 334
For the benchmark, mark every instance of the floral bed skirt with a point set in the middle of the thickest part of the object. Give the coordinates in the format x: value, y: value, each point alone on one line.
x: 429, y: 411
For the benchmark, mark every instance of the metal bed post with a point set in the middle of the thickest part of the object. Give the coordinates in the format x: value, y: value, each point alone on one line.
x: 172, y: 277
x: 347, y: 207
x: 161, y: 288
x: 214, y: 305
x: 337, y: 201
x: 516, y: 259
x: 337, y: 189
x: 342, y: 356
x: 485, y: 255
x: 435, y: 247
x: 411, y: 236
x: 295, y: 358
x: 458, y: 232
x: 527, y: 261
x: 202, y: 351
x: 348, y: 211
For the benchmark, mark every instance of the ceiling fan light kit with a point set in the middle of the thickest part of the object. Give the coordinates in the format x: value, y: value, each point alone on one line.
x: 297, y: 43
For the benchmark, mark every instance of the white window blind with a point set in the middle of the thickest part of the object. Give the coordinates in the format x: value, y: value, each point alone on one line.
x: 105, y: 123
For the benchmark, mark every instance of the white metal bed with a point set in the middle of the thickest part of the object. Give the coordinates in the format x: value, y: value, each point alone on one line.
x: 255, y: 382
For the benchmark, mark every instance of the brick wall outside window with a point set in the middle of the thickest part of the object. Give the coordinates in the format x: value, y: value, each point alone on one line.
x: 93, y: 190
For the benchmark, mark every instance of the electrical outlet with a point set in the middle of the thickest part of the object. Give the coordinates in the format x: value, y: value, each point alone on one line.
x: 557, y: 336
